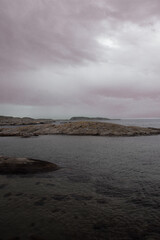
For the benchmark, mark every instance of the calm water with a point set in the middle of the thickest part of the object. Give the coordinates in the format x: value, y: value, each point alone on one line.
x: 107, y: 188
x: 138, y: 122
x: 133, y: 122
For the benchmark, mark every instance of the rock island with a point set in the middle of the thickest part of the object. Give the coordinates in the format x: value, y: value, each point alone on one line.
x: 78, y: 128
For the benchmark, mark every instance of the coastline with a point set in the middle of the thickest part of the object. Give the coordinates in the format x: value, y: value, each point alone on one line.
x: 80, y: 128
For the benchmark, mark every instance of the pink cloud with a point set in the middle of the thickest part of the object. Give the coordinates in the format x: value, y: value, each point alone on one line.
x: 37, y: 34
x: 45, y: 32
x: 124, y: 92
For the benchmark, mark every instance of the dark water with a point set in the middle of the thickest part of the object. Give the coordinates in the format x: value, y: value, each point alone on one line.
x: 107, y: 188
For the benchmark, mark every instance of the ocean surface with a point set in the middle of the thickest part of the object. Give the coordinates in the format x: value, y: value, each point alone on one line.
x: 107, y: 188
x: 127, y: 122
x: 138, y: 122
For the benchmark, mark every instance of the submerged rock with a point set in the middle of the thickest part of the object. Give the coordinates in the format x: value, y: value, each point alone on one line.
x: 24, y: 165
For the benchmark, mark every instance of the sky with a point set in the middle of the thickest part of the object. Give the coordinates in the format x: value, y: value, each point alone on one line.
x: 95, y: 58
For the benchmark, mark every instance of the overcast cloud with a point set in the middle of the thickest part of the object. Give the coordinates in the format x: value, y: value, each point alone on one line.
x: 80, y: 57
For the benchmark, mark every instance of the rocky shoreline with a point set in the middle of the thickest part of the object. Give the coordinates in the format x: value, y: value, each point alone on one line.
x: 79, y: 128
x: 12, y: 165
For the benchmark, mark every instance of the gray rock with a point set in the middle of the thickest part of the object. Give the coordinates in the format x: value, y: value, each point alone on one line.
x: 11, y: 165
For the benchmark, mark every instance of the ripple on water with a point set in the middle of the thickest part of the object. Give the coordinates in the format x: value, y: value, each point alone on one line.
x: 108, y: 188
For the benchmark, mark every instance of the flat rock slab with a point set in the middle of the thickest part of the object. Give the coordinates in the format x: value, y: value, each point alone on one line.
x: 11, y: 165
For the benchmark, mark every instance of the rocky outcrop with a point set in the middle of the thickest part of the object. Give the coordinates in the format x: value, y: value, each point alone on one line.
x: 24, y: 165
x: 79, y: 128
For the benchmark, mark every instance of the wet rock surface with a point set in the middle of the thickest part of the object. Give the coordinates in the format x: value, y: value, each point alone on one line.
x: 11, y: 165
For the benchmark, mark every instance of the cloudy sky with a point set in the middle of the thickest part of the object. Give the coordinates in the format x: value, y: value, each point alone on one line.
x: 63, y: 58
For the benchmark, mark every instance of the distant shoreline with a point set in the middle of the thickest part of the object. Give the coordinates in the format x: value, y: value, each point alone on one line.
x: 18, y: 121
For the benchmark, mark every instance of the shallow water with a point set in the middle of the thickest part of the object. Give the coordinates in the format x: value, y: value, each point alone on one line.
x: 107, y: 188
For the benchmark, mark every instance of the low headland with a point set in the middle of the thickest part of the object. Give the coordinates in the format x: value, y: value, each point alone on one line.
x: 88, y: 119
x: 92, y: 128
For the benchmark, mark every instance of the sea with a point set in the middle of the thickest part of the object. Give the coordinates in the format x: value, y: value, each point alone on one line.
x: 106, y: 188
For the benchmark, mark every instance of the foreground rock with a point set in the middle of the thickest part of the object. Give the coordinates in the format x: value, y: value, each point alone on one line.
x: 24, y: 165
x: 79, y: 128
